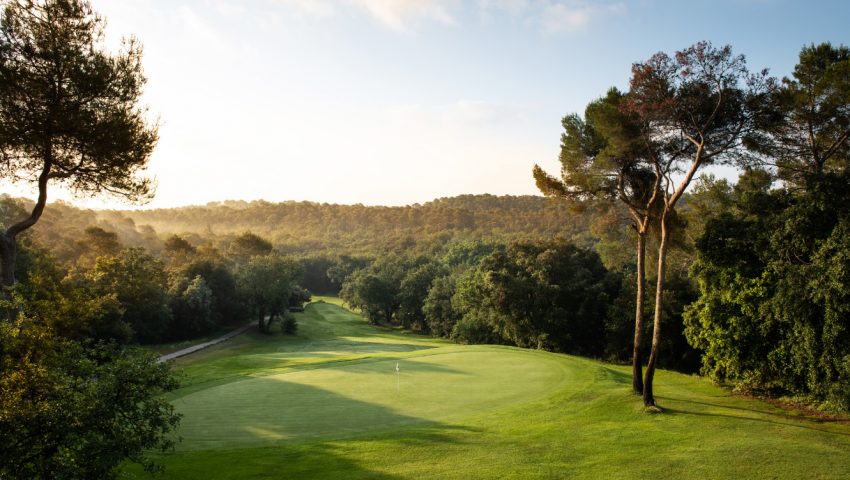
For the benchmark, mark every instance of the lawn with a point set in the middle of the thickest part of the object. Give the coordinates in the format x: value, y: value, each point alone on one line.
x: 329, y: 403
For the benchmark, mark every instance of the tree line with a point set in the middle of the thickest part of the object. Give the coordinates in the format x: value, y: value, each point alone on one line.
x: 129, y: 295
x: 550, y: 295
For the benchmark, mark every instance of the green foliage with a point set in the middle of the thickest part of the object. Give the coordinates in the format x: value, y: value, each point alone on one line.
x: 246, y: 246
x: 298, y: 297
x: 177, y: 250
x: 544, y: 295
x: 364, y: 231
x: 97, y: 242
x: 75, y: 313
x: 413, y: 291
x: 469, y: 305
x: 437, y: 310
x: 191, y: 303
x: 344, y: 266
x: 376, y: 289
x: 288, y: 324
x: 809, y: 129
x: 63, y: 90
x: 265, y: 284
x: 465, y: 254
x: 773, y: 312
x: 553, y: 296
x: 226, y: 306
x: 477, y: 327
x: 602, y: 157
x: 375, y: 296
x: 71, y: 411
x: 139, y: 282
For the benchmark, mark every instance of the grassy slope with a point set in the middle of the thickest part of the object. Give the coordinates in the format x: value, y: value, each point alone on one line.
x: 325, y: 404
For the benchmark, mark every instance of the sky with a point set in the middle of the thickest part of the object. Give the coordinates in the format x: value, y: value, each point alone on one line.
x: 395, y: 102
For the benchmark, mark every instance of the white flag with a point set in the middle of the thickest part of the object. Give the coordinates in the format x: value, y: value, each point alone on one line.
x: 396, y: 366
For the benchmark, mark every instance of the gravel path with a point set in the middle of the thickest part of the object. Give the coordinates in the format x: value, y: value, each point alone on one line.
x: 201, y: 346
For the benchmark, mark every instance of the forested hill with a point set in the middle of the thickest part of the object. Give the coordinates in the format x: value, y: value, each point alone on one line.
x: 309, y: 227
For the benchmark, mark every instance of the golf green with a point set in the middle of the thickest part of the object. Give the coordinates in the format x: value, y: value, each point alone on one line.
x: 353, y: 398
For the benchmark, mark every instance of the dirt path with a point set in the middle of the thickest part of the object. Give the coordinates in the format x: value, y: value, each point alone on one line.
x: 201, y: 346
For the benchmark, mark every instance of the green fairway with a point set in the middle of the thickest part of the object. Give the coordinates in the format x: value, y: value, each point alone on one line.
x: 328, y: 403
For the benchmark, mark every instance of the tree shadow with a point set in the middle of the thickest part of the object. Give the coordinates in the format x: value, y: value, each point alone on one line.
x: 387, y: 363
x: 615, y: 376
x: 272, y: 428
x: 775, y: 418
x: 272, y: 410
x: 345, y: 347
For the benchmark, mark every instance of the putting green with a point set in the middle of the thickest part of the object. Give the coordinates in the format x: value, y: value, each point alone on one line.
x: 344, y: 399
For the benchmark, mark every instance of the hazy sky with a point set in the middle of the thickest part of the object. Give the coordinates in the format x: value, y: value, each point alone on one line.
x: 403, y: 101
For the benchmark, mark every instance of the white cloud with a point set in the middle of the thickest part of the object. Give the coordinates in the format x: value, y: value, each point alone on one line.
x: 404, y: 16
x: 401, y: 15
x: 551, y: 16
x: 575, y: 15
x: 397, y: 15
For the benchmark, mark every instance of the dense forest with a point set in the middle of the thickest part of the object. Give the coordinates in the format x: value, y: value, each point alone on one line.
x: 306, y: 227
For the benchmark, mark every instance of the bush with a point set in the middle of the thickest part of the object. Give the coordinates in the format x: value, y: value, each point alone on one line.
x: 71, y: 410
x: 475, y: 328
x: 288, y: 324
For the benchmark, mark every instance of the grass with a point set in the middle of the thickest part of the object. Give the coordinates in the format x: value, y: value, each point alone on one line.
x: 327, y: 403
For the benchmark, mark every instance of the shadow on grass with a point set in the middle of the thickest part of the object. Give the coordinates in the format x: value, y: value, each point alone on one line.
x: 790, y: 420
x: 272, y: 410
x: 318, y: 461
x: 315, y: 461
x: 269, y: 428
x: 615, y: 376
x: 343, y: 347
x: 387, y: 363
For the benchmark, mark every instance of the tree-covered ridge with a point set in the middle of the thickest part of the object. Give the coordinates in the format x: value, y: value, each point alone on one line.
x: 303, y: 226
x: 308, y: 227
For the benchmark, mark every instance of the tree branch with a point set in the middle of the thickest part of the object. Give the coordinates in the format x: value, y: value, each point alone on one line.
x: 38, y: 209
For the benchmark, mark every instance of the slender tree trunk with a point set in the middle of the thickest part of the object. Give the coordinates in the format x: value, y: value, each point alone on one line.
x: 8, y: 256
x: 648, y: 398
x: 8, y: 239
x: 637, y: 377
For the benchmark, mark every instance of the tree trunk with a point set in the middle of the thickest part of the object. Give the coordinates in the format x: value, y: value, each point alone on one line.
x: 637, y: 377
x: 9, y: 238
x: 8, y: 255
x: 648, y: 398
